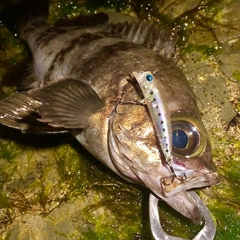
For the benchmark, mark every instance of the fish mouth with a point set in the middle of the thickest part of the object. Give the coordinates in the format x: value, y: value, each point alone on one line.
x: 172, y: 185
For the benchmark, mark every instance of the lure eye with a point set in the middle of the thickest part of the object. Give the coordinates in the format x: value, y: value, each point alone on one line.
x: 149, y: 77
x: 185, y: 138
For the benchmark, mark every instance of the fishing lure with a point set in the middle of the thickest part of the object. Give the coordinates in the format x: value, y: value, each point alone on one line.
x: 156, y: 103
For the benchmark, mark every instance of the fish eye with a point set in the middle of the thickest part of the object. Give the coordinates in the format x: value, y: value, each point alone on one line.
x: 186, y: 139
x: 149, y: 77
x: 179, y: 138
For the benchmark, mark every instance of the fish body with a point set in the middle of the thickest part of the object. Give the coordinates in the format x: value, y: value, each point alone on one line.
x: 79, y: 77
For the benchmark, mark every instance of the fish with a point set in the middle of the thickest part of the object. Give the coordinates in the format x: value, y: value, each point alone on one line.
x: 80, y: 81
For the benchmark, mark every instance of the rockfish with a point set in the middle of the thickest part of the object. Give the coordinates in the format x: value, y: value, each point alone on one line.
x: 80, y: 81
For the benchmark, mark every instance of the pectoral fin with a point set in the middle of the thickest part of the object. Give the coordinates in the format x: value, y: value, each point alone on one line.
x: 19, y: 112
x: 67, y: 103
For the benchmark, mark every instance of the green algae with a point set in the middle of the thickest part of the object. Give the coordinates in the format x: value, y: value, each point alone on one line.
x: 205, y: 50
x: 53, y: 188
x: 236, y: 75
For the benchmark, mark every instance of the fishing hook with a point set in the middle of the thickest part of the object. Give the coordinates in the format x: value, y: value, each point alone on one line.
x: 174, y: 176
x: 136, y: 102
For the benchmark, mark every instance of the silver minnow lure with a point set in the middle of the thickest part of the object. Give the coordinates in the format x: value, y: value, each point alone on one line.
x: 156, y: 102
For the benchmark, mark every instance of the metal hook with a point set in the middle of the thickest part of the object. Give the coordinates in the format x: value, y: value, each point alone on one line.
x: 173, y: 176
x: 133, y: 102
x: 206, y: 233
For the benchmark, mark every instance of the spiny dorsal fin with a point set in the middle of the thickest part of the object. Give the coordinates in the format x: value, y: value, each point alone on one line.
x: 147, y: 34
x: 19, y: 112
x: 67, y: 103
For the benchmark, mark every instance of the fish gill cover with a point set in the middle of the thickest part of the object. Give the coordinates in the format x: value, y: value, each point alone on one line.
x: 51, y: 188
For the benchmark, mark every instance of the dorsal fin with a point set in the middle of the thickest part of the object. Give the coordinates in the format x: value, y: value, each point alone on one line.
x: 147, y: 34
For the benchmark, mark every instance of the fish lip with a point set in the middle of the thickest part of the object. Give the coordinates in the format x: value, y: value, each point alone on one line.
x: 175, y: 186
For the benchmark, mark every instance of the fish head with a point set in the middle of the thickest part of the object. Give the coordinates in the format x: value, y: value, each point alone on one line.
x: 140, y: 159
x: 136, y: 145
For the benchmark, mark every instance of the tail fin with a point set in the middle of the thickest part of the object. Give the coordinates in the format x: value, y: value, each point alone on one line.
x: 14, y: 16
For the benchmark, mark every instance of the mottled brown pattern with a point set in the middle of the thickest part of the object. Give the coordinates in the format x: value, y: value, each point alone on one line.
x: 45, y: 37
